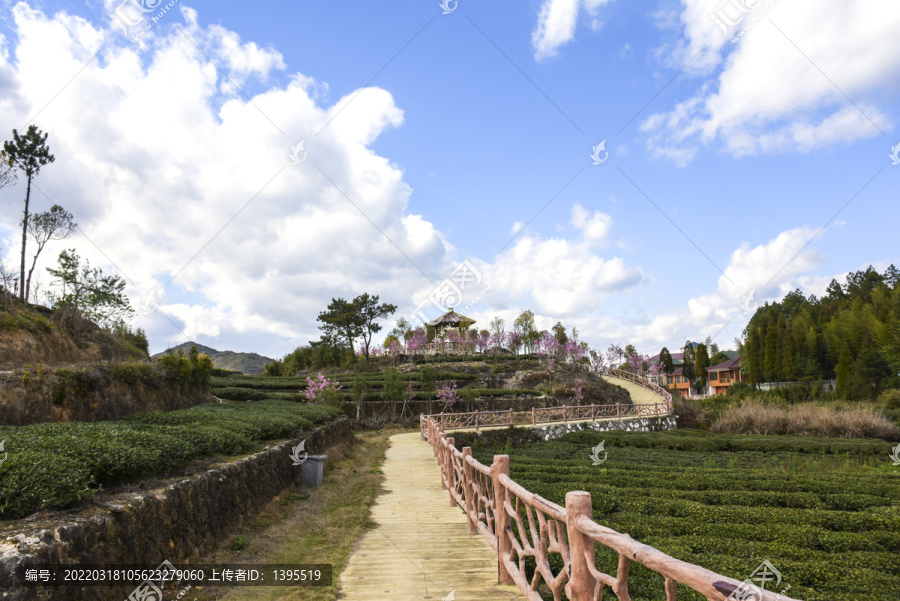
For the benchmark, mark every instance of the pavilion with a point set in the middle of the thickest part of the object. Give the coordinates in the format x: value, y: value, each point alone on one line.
x: 451, y: 320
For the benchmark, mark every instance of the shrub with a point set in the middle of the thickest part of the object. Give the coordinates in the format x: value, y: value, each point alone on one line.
x: 753, y: 417
x: 190, y: 371
x: 58, y: 464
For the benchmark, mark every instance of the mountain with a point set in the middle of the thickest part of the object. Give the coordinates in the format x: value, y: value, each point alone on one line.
x: 246, y: 363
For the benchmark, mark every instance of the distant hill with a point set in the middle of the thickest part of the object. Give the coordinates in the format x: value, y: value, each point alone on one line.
x: 246, y: 363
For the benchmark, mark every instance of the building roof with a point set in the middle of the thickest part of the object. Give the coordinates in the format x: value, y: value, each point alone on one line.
x: 452, y: 318
x: 734, y: 363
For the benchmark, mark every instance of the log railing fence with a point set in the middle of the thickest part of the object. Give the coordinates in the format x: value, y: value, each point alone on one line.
x: 519, y: 524
x: 564, y: 413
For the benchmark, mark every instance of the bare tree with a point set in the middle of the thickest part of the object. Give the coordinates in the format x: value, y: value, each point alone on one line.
x: 55, y: 224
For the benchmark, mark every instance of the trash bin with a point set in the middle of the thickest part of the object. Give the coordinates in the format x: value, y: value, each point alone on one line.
x: 311, y: 470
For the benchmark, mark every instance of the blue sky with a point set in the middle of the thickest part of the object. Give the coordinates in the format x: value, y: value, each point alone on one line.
x: 432, y: 138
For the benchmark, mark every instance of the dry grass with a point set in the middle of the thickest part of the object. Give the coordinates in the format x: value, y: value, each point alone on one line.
x: 854, y: 421
x: 309, y: 526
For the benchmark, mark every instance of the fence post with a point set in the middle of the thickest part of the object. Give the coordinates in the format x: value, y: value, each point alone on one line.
x: 476, y: 420
x: 533, y: 418
x: 593, y: 413
x: 451, y: 471
x: 501, y: 518
x: 581, y: 548
x: 442, y: 458
x: 618, y: 411
x: 565, y: 417
x: 469, y: 488
x: 511, y: 422
x: 656, y: 408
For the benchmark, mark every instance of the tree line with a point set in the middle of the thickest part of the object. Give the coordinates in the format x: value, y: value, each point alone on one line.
x: 851, y: 334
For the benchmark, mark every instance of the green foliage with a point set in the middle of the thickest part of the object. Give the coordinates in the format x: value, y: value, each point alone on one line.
x: 852, y: 334
x: 348, y: 320
x: 134, y: 337
x: 27, y: 153
x: 56, y: 465
x: 239, y: 543
x: 726, y: 502
x: 687, y: 361
x: 83, y: 290
x: 665, y: 361
x: 326, y: 352
x: 190, y: 371
x: 20, y: 319
x: 701, y: 363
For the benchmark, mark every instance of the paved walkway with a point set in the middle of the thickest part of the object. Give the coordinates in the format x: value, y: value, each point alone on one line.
x: 639, y: 394
x: 419, y: 549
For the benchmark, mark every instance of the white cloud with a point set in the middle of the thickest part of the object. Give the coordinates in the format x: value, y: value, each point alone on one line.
x: 563, y: 277
x: 154, y: 159
x: 768, y: 97
x: 594, y: 227
x: 768, y: 271
x: 556, y: 24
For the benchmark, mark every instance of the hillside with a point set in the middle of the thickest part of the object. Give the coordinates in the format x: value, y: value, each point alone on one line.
x: 246, y: 363
x: 36, y: 335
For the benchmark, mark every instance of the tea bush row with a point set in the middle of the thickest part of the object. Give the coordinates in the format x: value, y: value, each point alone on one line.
x: 58, y: 464
x: 719, y: 501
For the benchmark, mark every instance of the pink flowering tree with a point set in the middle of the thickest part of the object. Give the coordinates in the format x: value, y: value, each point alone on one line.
x: 482, y: 341
x: 514, y: 342
x: 614, y: 355
x: 598, y: 362
x: 416, y: 343
x: 578, y: 389
x: 467, y: 342
x: 574, y: 353
x: 316, y: 390
x: 447, y: 395
x: 453, y: 338
x: 497, y: 341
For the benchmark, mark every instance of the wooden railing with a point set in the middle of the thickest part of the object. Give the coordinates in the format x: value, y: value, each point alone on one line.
x: 652, y: 386
x: 546, y: 415
x: 519, y: 524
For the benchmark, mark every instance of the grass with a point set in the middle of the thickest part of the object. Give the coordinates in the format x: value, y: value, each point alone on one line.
x: 309, y: 526
x: 856, y: 421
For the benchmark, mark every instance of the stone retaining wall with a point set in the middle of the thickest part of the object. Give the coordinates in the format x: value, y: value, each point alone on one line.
x: 644, y: 424
x: 180, y: 522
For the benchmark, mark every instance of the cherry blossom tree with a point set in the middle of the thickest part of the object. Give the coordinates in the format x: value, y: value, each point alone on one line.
x: 447, y: 395
x: 316, y: 389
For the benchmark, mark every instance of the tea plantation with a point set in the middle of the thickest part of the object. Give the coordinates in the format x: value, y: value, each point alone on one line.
x: 55, y: 465
x: 824, y: 512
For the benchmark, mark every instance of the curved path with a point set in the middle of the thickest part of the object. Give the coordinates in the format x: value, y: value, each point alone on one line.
x: 639, y: 394
x: 419, y: 548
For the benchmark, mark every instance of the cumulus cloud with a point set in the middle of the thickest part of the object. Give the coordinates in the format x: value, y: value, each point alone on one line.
x: 563, y: 277
x: 754, y: 275
x: 556, y: 24
x: 172, y: 176
x: 779, y: 76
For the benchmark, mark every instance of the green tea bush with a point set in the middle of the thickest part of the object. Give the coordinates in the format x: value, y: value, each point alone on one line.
x: 56, y: 465
x: 816, y: 508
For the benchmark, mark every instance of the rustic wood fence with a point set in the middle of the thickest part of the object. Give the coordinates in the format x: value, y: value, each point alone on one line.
x: 519, y: 524
x: 546, y: 415
x: 564, y: 413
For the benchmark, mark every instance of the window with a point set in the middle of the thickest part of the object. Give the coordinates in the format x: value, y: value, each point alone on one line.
x: 713, y: 375
x: 678, y: 379
x: 671, y: 379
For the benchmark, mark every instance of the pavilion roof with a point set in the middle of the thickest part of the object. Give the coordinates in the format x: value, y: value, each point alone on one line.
x: 451, y: 318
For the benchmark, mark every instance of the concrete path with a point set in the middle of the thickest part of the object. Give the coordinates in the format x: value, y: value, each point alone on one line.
x: 419, y: 549
x: 639, y: 394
